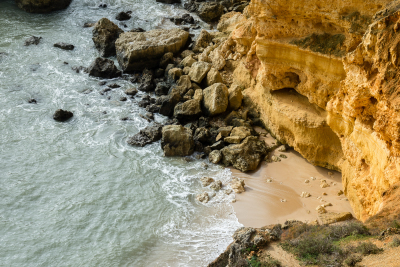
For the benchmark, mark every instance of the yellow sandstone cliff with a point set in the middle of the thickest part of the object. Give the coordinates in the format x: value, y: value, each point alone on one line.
x: 324, y: 76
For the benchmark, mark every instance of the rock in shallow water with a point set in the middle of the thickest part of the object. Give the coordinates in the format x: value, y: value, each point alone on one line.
x: 42, y: 6
x: 62, y: 115
x: 33, y: 40
x: 64, y: 46
x: 105, y: 33
x: 104, y: 68
x: 177, y: 141
x: 138, y: 50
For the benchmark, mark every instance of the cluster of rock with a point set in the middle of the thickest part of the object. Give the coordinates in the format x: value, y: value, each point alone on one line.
x: 236, y: 184
x: 190, y: 90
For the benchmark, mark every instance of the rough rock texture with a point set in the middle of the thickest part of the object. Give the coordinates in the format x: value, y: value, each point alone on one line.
x: 177, y: 141
x: 105, y: 33
x: 188, y: 110
x: 215, y: 99
x: 42, y: 6
x: 137, y: 50
x: 323, y: 76
x: 146, y: 136
x: 103, y: 68
x: 198, y: 71
x: 245, y: 156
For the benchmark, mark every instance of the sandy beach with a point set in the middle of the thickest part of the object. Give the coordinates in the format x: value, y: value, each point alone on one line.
x: 275, y: 182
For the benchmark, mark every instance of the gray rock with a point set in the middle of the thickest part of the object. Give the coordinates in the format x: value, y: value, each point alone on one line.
x: 168, y: 103
x: 103, y: 68
x: 33, y: 40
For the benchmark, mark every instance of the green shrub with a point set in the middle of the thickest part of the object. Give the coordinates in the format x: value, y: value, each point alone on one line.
x: 395, y: 242
x: 395, y: 224
x: 316, y: 244
x: 367, y: 248
x: 270, y: 262
x: 353, y: 259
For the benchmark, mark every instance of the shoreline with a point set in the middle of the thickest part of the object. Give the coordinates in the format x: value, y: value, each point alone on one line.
x: 261, y: 205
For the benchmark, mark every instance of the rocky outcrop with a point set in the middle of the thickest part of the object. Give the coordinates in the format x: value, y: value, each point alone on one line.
x: 139, y: 50
x: 42, y: 6
x: 105, y: 33
x: 323, y: 76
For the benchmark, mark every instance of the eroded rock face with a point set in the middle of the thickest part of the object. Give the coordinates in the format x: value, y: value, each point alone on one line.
x: 42, y: 6
x: 323, y: 75
x: 139, y: 50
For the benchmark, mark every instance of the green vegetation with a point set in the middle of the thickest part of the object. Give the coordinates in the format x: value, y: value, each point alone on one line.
x: 320, y: 244
x: 353, y: 259
x: 367, y: 248
x: 325, y: 43
x: 395, y: 242
x: 270, y: 262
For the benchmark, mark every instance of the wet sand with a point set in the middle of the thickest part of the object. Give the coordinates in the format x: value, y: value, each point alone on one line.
x: 261, y: 204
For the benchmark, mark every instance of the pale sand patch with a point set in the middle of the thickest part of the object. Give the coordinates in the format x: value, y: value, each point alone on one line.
x: 261, y: 204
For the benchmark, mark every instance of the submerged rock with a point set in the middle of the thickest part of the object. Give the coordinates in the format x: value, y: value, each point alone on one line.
x: 123, y: 16
x: 139, y: 50
x: 104, y: 68
x: 42, y: 6
x: 33, y: 40
x: 62, y: 115
x: 64, y: 46
x: 105, y: 33
x: 203, y: 197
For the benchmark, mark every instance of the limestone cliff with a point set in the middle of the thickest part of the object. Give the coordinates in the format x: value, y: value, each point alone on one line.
x: 324, y: 77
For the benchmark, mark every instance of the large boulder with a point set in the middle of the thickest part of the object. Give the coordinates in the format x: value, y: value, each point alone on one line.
x: 198, y: 71
x: 245, y: 156
x: 188, y: 110
x: 210, y: 11
x: 105, y: 33
x: 42, y: 6
x: 177, y: 141
x: 215, y: 99
x: 137, y: 50
x: 103, y: 68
